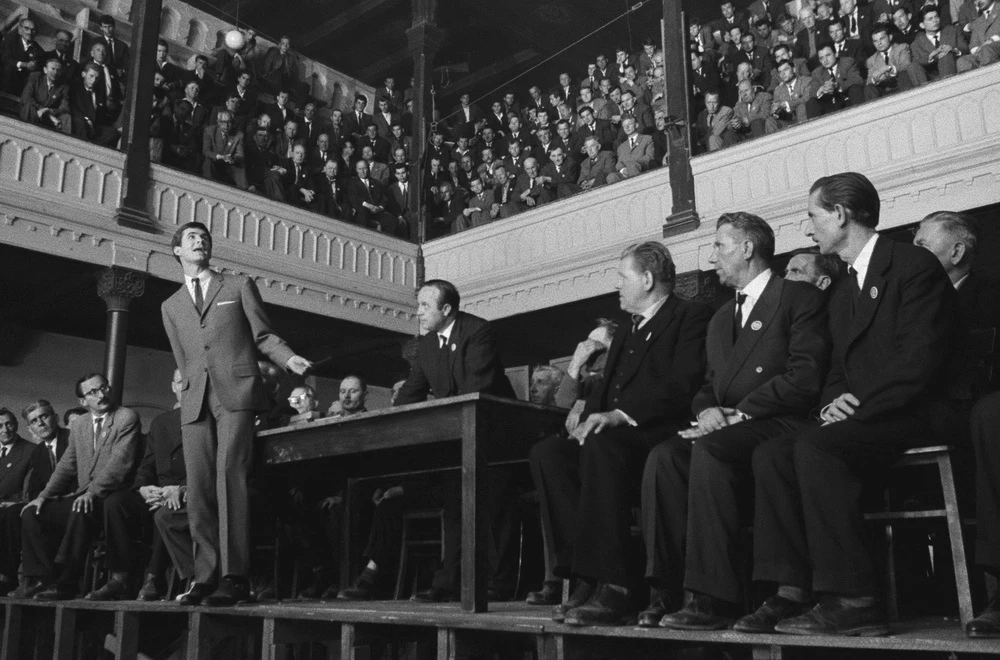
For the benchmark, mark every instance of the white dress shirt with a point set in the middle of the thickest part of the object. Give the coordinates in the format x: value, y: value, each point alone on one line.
x: 753, y: 291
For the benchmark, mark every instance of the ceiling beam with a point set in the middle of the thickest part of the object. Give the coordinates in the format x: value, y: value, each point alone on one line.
x: 365, y: 9
x: 374, y: 72
x: 476, y: 77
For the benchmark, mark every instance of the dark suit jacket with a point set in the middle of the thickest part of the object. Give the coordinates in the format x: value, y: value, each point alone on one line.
x: 602, y: 130
x: 598, y: 169
x: 803, y: 50
x: 163, y: 462
x: 470, y: 363
x: 14, y: 471
x: 891, y: 354
x: 235, y: 324
x: 119, y: 59
x: 293, y: 185
x: 354, y: 127
x: 848, y: 75
x: 921, y: 47
x: 41, y: 465
x: 13, y: 52
x: 36, y: 96
x: 777, y: 365
x: 357, y: 193
x: 563, y: 181
x: 101, y: 471
x: 666, y: 374
x: 329, y: 202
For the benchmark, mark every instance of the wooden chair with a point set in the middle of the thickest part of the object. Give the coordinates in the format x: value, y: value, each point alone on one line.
x: 939, y: 456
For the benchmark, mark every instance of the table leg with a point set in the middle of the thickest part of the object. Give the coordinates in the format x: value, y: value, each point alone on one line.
x: 475, y: 559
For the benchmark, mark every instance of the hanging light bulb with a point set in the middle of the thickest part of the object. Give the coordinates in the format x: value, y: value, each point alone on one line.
x: 235, y: 39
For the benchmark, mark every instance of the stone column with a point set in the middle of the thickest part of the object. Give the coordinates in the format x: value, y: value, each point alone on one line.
x: 118, y: 286
x: 134, y: 211
x: 676, y: 66
x: 424, y: 40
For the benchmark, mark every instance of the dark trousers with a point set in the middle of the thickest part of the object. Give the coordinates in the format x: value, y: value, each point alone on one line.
x: 851, y: 97
x: 720, y: 503
x: 985, y: 424
x: 126, y: 515
x: 664, y: 516
x: 809, y: 531
x: 586, y: 495
x: 387, y: 527
x: 10, y: 542
x: 218, y: 452
x: 58, y: 535
x: 173, y: 529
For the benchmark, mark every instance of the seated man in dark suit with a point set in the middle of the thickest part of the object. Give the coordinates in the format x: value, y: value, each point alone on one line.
x: 330, y: 199
x: 263, y: 167
x: 809, y: 533
x: 21, y: 57
x: 562, y: 173
x: 532, y: 189
x: 399, y: 196
x: 837, y: 82
x: 587, y: 482
x: 504, y: 202
x: 367, y: 198
x: 45, y: 99
x: 15, y: 463
x: 298, y: 184
x: 98, y: 467
x: 223, y: 152
x: 768, y: 352
x: 89, y: 112
x: 595, y: 168
x: 456, y: 355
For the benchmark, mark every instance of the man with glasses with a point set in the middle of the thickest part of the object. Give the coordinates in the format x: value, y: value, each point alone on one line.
x: 99, y: 464
x: 21, y: 56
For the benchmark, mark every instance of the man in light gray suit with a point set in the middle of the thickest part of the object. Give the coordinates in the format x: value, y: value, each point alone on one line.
x: 635, y: 153
x: 216, y: 325
x: 984, y: 37
x: 100, y: 461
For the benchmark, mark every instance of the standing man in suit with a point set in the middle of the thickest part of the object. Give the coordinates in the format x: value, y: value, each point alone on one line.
x: 635, y: 153
x: 99, y: 462
x: 45, y: 99
x: 117, y: 50
x: 216, y: 325
x: 356, y: 121
x: 15, y: 463
x: 984, y: 37
x: 938, y: 47
x: 457, y: 354
x: 398, y: 202
x: 587, y: 482
x: 892, y: 321
x: 767, y: 355
x: 857, y: 23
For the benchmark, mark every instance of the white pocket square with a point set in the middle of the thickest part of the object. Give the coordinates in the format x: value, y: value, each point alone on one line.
x: 225, y: 302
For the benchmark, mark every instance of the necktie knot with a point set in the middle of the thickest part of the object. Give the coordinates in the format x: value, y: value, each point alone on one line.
x: 442, y: 341
x: 636, y: 321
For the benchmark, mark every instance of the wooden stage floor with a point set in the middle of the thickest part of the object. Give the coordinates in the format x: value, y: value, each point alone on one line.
x: 353, y: 626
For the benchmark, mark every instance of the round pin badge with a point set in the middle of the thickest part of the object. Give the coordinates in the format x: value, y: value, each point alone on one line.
x: 756, y: 325
x: 454, y: 348
x: 873, y: 293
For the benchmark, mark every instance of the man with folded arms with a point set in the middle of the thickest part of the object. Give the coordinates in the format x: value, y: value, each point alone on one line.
x: 587, y: 482
x: 892, y: 320
x: 767, y: 354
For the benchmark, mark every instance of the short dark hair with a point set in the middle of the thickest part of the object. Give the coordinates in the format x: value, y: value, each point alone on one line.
x: 447, y: 293
x: 854, y: 192
x: 880, y: 27
x: 654, y: 257
x: 927, y: 9
x: 364, y: 385
x: 960, y: 225
x: 401, y: 166
x: 826, y: 264
x: 163, y: 42
x: 7, y: 412
x: 175, y: 241
x: 756, y: 229
x: 107, y: 19
x: 361, y: 97
x: 84, y: 379
x: 76, y: 410
x: 201, y: 58
x: 35, y: 405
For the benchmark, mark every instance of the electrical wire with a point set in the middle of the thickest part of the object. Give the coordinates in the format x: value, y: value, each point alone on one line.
x: 624, y: 14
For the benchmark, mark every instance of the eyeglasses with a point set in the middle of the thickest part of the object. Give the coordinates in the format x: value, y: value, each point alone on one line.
x: 296, y: 399
x: 103, y: 389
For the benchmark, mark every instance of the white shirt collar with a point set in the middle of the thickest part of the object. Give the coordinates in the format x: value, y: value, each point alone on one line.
x: 446, y: 333
x: 204, y: 278
x: 652, y: 310
x: 863, y: 259
x: 958, y: 284
x: 755, y: 287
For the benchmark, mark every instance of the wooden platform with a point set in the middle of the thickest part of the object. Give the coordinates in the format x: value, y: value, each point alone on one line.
x: 349, y: 629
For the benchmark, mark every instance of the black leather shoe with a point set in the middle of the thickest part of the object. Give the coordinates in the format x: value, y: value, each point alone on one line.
x: 549, y: 594
x: 363, y: 587
x: 198, y: 592
x: 112, y: 590
x: 433, y: 595
x: 58, y: 591
x: 773, y: 610
x: 152, y: 589
x: 832, y: 617
x: 659, y: 606
x: 231, y: 591
x: 607, y: 607
x: 702, y: 612
x: 28, y: 588
x: 987, y: 624
x: 582, y: 592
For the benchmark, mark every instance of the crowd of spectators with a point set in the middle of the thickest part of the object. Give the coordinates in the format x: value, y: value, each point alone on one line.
x: 759, y: 71
x: 244, y: 117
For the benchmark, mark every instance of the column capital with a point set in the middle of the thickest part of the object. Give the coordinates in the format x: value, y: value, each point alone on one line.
x: 118, y: 286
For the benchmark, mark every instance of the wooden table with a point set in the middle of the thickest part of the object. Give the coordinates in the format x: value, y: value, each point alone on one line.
x: 487, y: 428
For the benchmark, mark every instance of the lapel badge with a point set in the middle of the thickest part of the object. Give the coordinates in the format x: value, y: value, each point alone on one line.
x: 9, y: 465
x: 649, y: 335
x: 756, y: 325
x: 453, y: 348
x: 874, y: 292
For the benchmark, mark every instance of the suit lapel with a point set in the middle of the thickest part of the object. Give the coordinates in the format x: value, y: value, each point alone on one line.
x: 873, y: 289
x: 755, y: 327
x: 214, y: 286
x: 649, y: 333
